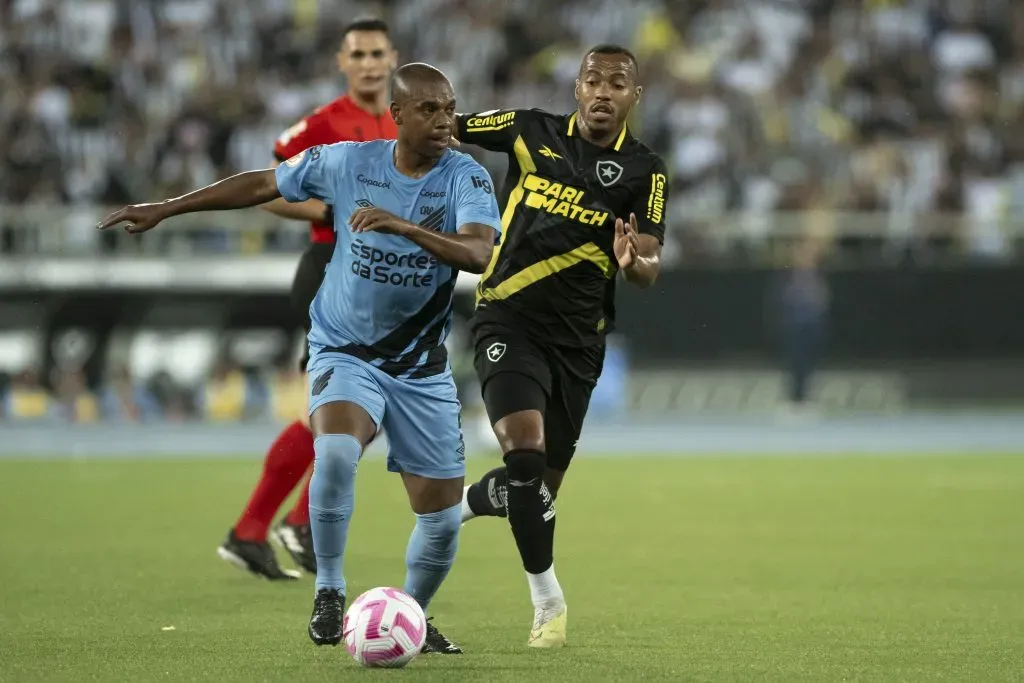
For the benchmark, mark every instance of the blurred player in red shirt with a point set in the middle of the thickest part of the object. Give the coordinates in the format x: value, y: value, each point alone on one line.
x: 367, y: 58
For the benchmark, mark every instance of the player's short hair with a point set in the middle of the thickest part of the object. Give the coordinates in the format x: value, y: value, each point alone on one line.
x: 613, y: 49
x: 409, y: 76
x: 366, y: 24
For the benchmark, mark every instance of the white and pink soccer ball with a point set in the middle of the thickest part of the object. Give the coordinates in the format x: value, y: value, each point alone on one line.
x: 384, y: 627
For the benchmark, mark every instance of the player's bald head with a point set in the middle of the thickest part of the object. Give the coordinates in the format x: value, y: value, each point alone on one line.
x: 416, y: 81
x: 423, y: 107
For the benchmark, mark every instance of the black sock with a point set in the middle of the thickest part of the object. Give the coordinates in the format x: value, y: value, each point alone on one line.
x: 486, y: 497
x: 531, y: 513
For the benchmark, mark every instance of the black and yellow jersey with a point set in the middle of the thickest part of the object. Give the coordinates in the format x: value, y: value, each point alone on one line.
x: 554, y: 270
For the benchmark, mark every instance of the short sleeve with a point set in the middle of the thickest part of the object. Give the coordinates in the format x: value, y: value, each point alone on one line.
x: 650, y: 203
x: 302, y: 135
x: 312, y: 173
x: 475, y: 200
x: 495, y: 130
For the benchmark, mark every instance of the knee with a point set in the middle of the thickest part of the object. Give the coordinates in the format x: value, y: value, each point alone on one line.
x: 529, y: 442
x: 440, y: 528
x: 435, y: 539
x: 523, y: 430
x: 337, y: 457
x: 446, y: 524
x: 524, y: 465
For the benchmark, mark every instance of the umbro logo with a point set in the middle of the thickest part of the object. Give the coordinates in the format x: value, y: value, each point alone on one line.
x: 364, y: 203
x: 546, y: 151
x: 320, y: 383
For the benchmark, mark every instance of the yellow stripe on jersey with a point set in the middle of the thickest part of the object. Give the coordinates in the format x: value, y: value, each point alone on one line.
x: 549, y: 266
x: 526, y: 167
x: 618, y: 141
x: 621, y: 138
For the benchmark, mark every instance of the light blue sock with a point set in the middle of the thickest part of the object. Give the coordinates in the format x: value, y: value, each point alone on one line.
x: 431, y: 552
x: 331, y: 499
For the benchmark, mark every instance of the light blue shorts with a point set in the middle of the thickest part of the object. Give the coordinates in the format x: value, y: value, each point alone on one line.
x: 421, y: 417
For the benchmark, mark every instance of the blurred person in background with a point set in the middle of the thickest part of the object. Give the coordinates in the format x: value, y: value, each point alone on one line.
x: 73, y: 400
x: 25, y: 398
x: 366, y: 58
x: 803, y: 305
x: 123, y: 398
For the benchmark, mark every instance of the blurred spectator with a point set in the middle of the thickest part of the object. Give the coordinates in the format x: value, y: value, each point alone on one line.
x: 901, y: 107
x: 25, y: 398
x: 804, y: 299
x: 123, y: 398
x: 73, y: 400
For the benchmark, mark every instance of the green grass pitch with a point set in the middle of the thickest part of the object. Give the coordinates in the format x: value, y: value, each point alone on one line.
x: 703, y: 569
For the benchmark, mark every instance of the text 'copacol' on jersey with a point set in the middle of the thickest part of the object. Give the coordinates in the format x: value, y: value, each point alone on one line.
x: 560, y: 200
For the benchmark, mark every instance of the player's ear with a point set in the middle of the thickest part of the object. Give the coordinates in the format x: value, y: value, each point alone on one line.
x: 576, y: 90
x: 396, y: 113
x: 639, y: 92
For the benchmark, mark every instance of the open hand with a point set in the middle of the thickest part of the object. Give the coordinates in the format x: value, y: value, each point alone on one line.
x: 627, y: 242
x: 373, y: 219
x: 139, y: 218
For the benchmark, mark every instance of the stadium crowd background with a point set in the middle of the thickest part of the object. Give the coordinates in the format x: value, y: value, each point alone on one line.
x: 891, y: 131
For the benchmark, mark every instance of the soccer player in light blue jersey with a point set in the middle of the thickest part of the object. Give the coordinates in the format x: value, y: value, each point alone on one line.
x: 410, y: 215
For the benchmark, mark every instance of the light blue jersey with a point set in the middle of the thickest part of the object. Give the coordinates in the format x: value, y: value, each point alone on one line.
x: 384, y: 309
x: 385, y: 300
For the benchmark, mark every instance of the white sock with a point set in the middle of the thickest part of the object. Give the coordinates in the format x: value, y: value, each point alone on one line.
x: 467, y: 513
x: 544, y: 589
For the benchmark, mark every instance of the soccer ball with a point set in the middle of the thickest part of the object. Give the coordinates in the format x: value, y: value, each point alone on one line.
x: 384, y: 627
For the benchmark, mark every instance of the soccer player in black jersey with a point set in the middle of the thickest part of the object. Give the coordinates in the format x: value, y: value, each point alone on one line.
x: 583, y: 202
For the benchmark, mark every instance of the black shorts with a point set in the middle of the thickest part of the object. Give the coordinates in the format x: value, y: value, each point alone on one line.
x: 518, y: 372
x: 308, y: 278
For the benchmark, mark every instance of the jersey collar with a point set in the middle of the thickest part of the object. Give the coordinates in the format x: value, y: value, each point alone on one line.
x: 573, y: 128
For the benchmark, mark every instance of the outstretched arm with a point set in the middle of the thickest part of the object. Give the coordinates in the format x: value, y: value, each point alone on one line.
x: 237, y: 192
x: 310, y: 174
x: 312, y: 210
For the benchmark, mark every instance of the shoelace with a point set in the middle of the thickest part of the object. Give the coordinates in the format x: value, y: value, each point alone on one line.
x: 544, y: 615
x: 326, y: 596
